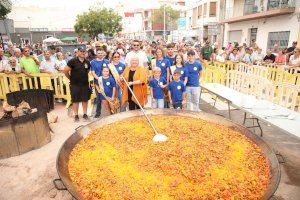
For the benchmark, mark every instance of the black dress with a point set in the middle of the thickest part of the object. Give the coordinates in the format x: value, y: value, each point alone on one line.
x: 132, y: 105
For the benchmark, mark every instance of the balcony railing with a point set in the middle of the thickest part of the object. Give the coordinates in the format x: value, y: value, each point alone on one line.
x: 283, y: 7
x: 277, y: 4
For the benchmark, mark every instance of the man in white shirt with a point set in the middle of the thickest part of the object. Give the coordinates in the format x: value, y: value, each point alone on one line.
x: 137, y: 52
x: 48, y: 65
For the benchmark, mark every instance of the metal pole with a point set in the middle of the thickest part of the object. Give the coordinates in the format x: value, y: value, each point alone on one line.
x: 164, y: 21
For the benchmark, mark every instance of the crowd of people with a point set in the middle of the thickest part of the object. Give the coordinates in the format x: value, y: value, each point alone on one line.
x: 171, y: 70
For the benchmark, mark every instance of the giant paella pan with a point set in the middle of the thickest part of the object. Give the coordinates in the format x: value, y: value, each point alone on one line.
x: 205, y: 157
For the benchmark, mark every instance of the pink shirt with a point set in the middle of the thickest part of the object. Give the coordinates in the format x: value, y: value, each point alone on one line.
x: 280, y: 59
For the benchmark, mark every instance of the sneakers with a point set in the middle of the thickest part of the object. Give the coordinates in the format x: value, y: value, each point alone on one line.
x: 85, y: 117
x: 76, y: 118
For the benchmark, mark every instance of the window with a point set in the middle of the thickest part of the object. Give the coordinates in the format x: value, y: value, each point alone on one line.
x: 199, y: 11
x: 253, y: 34
x: 213, y: 9
x: 250, y: 7
x: 204, y: 10
x: 281, y: 38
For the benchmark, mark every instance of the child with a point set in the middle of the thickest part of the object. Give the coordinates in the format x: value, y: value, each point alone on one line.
x: 177, y: 92
x: 157, y: 84
x: 106, y: 86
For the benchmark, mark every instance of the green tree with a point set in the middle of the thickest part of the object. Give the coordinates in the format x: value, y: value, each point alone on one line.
x: 99, y: 20
x: 171, y: 17
x: 3, y: 12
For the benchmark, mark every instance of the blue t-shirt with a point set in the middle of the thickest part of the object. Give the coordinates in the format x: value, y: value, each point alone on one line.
x: 193, y: 73
x: 120, y: 67
x: 164, y: 65
x: 158, y: 92
x: 171, y: 60
x: 108, y: 85
x: 177, y: 89
x: 184, y: 72
x: 97, y: 65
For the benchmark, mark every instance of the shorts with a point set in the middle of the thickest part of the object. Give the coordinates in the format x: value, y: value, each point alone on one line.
x: 80, y: 93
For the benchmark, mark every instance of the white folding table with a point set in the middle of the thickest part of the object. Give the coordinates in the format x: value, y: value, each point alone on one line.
x: 281, y: 117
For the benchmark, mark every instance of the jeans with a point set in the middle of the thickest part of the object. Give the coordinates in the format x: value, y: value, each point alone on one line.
x: 98, y: 105
x: 119, y: 92
x: 192, y: 98
x: 158, y: 103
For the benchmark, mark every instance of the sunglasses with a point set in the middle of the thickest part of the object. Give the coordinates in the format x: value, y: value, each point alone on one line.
x: 116, y: 56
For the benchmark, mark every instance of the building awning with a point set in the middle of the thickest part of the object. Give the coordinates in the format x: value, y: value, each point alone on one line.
x: 69, y: 39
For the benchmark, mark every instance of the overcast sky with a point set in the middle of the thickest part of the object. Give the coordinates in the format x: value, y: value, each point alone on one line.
x: 64, y: 12
x: 84, y: 4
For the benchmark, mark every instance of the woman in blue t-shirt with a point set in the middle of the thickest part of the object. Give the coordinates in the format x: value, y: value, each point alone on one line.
x: 179, y: 64
x: 194, y: 69
x: 164, y: 64
x: 120, y: 68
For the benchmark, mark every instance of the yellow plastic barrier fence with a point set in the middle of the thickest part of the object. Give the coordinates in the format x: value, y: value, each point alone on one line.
x: 211, y: 74
x: 56, y: 82
x: 227, y: 66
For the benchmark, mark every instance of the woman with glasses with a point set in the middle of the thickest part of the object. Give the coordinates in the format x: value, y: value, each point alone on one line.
x: 137, y: 79
x: 120, y: 67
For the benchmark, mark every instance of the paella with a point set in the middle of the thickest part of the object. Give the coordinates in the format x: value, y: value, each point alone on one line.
x: 200, y: 160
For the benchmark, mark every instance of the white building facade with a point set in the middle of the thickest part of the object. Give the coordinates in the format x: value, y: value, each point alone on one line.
x: 265, y: 21
x: 202, y: 21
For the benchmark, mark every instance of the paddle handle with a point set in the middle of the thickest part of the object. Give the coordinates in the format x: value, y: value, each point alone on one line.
x: 155, y: 131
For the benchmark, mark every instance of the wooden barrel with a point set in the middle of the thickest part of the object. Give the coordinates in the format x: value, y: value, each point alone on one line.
x: 23, y: 134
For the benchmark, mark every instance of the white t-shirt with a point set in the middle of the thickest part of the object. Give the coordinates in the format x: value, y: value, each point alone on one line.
x: 9, y: 68
x: 294, y: 60
x: 140, y: 54
x: 234, y: 58
x: 61, y: 64
x: 48, y: 66
x: 220, y: 58
x: 3, y: 63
